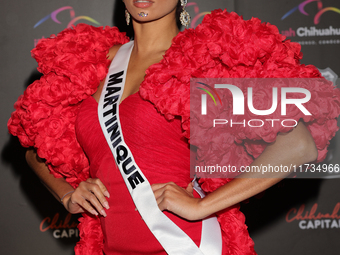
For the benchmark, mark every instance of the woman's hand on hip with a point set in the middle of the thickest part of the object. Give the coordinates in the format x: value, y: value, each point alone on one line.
x: 180, y: 201
x: 88, y: 196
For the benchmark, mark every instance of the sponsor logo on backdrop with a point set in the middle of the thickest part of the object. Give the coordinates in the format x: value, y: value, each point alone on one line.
x: 193, y: 8
x: 329, y: 74
x: 314, y: 218
x: 323, y: 33
x: 73, y: 19
x: 60, y: 227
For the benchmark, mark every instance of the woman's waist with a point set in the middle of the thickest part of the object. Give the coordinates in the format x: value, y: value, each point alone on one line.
x: 110, y: 175
x: 154, y: 169
x: 124, y: 221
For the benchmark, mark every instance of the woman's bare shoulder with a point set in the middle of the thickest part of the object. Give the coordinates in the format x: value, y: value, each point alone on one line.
x: 110, y: 55
x: 112, y: 51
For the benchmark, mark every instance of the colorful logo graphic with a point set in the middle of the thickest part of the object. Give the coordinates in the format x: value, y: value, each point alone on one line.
x: 313, y: 219
x: 321, y: 10
x: 74, y: 19
x: 62, y: 228
x: 209, y: 93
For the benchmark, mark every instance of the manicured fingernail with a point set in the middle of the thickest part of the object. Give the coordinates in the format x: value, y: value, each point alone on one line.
x: 102, y: 212
x: 94, y: 212
x: 106, y: 193
x: 106, y: 205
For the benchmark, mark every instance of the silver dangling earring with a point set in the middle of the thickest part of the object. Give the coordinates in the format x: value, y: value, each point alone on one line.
x: 127, y: 17
x: 184, y: 16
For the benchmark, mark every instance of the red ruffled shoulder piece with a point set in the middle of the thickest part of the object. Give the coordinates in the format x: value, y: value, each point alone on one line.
x: 73, y: 63
x: 226, y: 46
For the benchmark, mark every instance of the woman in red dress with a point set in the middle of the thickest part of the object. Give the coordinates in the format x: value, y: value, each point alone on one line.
x: 155, y: 120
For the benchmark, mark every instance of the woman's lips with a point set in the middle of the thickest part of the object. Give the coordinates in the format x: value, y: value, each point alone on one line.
x: 142, y: 3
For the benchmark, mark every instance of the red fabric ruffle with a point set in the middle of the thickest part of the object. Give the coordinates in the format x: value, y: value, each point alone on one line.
x: 73, y: 64
x: 91, y: 236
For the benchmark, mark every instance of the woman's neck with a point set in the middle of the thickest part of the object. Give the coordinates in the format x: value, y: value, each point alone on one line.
x: 155, y: 36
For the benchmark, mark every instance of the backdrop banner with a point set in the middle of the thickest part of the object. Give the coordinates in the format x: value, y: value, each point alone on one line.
x: 296, y: 216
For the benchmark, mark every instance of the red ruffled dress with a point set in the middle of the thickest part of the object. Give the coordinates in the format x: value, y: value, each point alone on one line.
x: 224, y: 45
x: 159, y: 150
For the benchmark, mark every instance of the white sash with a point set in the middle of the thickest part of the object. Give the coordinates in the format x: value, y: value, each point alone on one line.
x: 174, y: 240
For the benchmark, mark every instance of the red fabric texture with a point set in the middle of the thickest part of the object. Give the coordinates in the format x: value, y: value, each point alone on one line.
x: 73, y: 64
x: 224, y: 45
x: 160, y: 152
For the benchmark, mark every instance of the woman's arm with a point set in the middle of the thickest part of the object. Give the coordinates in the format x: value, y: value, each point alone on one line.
x: 88, y: 196
x: 296, y: 147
